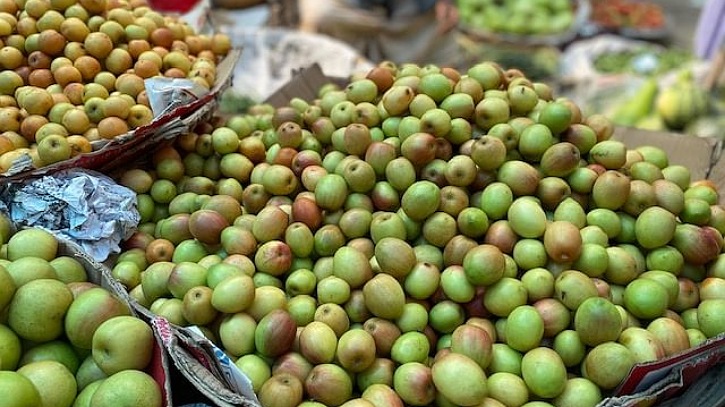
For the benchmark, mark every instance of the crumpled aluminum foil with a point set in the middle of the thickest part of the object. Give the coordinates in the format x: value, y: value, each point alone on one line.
x: 84, y: 206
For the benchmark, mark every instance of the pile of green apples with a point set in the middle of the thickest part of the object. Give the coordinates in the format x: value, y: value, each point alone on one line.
x: 518, y: 17
x: 64, y: 340
x: 427, y: 236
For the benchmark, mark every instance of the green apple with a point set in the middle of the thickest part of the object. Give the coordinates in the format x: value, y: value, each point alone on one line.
x: 50, y: 128
x: 122, y: 342
x: 459, y: 379
x: 197, y: 306
x: 139, y: 115
x: 189, y: 250
x: 56, y: 385
x: 54, y: 148
x: 32, y: 242
x: 27, y: 269
x: 233, y: 294
x: 127, y: 273
x: 76, y: 120
x: 225, y: 140
x: 128, y: 388
x: 136, y: 32
x: 83, y: 399
x: 236, y: 333
x: 413, y: 382
x: 38, y: 309
x: 10, y: 81
x: 329, y: 384
x: 24, y: 393
x: 184, y: 276
x: 216, y: 273
x: 89, y: 310
x: 94, y: 90
x: 154, y: 279
x: 709, y: 318
x: 170, y: 308
x: 237, y: 166
x: 411, y: 346
x: 10, y: 348
x: 7, y: 288
x: 93, y: 107
x: 68, y: 269
x: 255, y: 368
x: 356, y: 350
x: 544, y: 372
x: 57, y: 350
x: 281, y: 386
x: 88, y: 372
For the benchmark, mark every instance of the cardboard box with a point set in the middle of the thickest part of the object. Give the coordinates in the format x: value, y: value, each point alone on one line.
x: 216, y: 381
x: 200, y: 374
x: 702, y: 155
x: 272, y: 54
x: 670, y: 378
x: 649, y: 383
x: 213, y: 376
x: 179, y: 373
x: 305, y: 85
x: 158, y: 368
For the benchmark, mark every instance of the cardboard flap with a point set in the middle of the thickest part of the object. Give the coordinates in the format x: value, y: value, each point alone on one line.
x: 100, y: 274
x: 303, y: 84
x: 696, y: 153
x: 717, y: 176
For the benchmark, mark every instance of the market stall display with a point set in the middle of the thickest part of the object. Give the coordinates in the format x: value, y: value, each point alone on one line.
x: 645, y: 59
x: 524, y: 22
x: 385, y: 235
x: 386, y: 206
x: 671, y: 106
x: 82, y: 327
x: 631, y: 18
x: 76, y: 75
x: 641, y: 84
x: 540, y: 62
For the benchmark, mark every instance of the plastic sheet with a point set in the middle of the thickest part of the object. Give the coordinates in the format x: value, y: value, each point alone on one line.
x: 272, y: 55
x: 166, y: 94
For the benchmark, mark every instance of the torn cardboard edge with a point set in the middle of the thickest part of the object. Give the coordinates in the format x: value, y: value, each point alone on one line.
x: 305, y: 84
x: 196, y: 365
x: 666, y: 378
